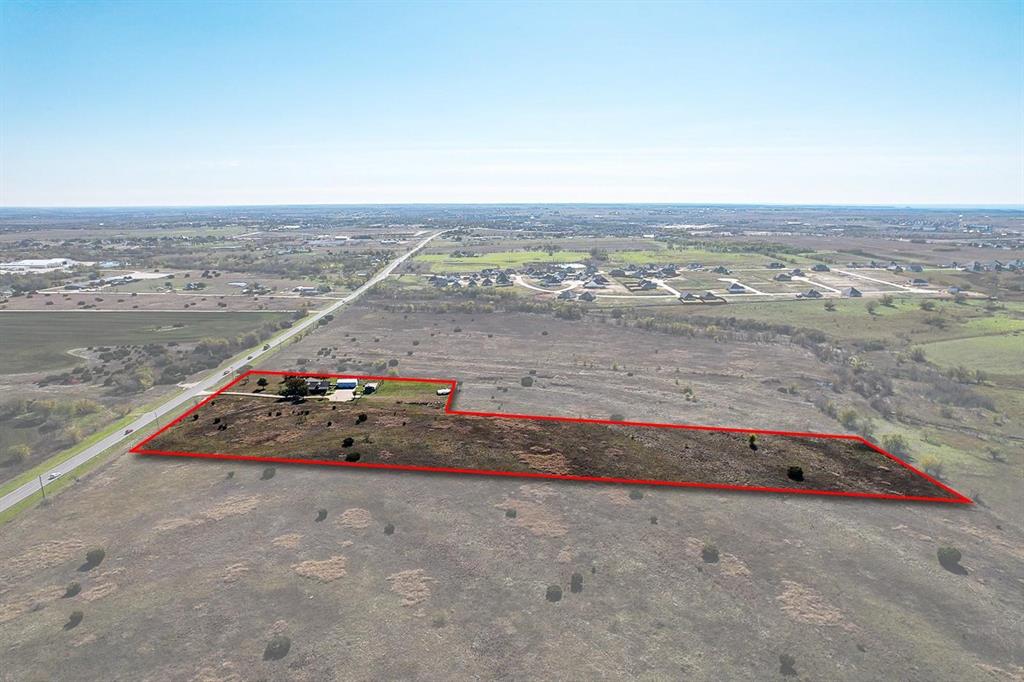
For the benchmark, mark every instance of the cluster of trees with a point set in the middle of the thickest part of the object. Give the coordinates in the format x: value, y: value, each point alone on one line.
x: 42, y: 427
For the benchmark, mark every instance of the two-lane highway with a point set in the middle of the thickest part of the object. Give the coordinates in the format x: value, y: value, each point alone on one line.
x: 173, y: 404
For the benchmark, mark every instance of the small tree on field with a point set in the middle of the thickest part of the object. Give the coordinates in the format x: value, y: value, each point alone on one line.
x: 261, y: 382
x: 277, y: 648
x: 949, y: 559
x: 73, y: 620
x: 94, y: 557
x: 294, y: 387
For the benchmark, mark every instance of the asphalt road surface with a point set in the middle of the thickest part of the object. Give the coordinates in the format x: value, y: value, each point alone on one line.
x: 201, y: 387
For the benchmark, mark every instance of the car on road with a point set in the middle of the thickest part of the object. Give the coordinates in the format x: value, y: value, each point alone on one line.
x: 127, y: 431
x: 53, y: 476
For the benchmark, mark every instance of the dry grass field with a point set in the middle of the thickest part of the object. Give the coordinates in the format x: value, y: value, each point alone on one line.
x: 207, y: 561
x: 408, y: 427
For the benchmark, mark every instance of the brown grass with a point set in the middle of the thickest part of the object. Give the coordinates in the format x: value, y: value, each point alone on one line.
x: 324, y: 571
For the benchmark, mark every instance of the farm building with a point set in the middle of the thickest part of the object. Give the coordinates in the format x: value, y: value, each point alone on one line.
x: 314, y: 385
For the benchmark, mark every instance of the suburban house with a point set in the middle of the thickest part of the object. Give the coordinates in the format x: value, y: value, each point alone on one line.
x: 918, y: 282
x: 813, y: 293
x: 721, y: 270
x: 567, y: 295
x: 852, y: 292
x: 587, y: 296
x: 737, y: 288
x: 820, y: 267
x: 783, y: 277
x: 646, y: 285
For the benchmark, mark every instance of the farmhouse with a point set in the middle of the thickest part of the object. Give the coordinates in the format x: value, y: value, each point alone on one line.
x: 314, y: 385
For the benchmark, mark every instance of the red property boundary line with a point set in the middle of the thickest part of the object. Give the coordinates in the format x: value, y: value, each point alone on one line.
x: 452, y: 384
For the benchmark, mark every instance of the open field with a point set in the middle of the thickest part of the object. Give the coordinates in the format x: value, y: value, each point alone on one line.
x: 995, y: 354
x: 40, y: 342
x: 412, y: 562
x: 371, y: 573
x: 501, y: 259
x: 408, y: 427
x: 114, y: 301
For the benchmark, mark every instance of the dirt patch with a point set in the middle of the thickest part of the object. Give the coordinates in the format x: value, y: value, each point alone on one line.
x: 235, y: 572
x: 175, y: 524
x: 412, y: 586
x: 324, y: 571
x: 355, y: 518
x: 41, y: 557
x: 803, y: 604
x: 98, y: 592
x: 25, y: 603
x: 288, y: 541
x: 233, y: 506
x: 535, y: 517
x: 549, y: 463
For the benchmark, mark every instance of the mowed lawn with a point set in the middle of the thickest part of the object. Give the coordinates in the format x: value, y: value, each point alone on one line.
x: 41, y: 341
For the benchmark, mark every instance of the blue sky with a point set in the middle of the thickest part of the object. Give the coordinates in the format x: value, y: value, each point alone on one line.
x: 241, y: 103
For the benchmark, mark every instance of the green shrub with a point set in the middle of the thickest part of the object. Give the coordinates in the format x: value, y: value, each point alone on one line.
x: 73, y: 620
x: 94, y: 557
x: 72, y: 589
x: 576, y: 583
x: 554, y: 593
x: 949, y: 559
x: 709, y: 553
x: 277, y: 648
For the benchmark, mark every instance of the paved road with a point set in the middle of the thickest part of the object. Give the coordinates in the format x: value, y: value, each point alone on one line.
x: 201, y: 387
